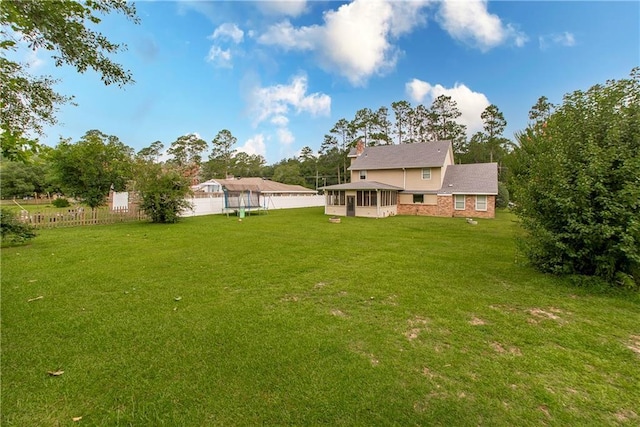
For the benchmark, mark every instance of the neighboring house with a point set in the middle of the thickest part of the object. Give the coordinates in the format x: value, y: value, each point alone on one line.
x: 413, y: 179
x: 250, y: 193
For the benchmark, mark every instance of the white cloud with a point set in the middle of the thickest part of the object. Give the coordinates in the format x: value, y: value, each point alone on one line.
x: 275, y: 102
x: 417, y: 90
x: 470, y: 22
x: 288, y: 7
x: 227, y: 34
x: 355, y: 40
x: 285, y: 136
x: 286, y: 36
x: 228, y: 31
x: 280, y: 120
x: 220, y: 57
x: 471, y: 104
x: 565, y: 39
x: 254, y: 145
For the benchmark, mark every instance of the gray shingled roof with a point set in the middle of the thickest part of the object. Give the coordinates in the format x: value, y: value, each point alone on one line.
x: 362, y: 185
x: 262, y: 185
x: 478, y: 178
x: 421, y: 155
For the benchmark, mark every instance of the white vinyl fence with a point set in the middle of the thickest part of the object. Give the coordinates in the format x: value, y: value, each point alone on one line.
x: 215, y: 205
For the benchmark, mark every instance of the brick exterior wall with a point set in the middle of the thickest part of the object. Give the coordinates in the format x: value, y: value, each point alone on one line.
x: 445, y: 205
x: 445, y: 208
x: 470, y: 208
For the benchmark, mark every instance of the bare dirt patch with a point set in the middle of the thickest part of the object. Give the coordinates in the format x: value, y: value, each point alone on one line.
x: 550, y: 313
x: 416, y: 326
x: 625, y: 415
x: 319, y: 285
x: 545, y: 410
x: 634, y: 344
x: 427, y: 372
x: 499, y: 348
x: 290, y: 298
x: 412, y: 334
x: 476, y: 321
x: 337, y: 313
x: 391, y: 300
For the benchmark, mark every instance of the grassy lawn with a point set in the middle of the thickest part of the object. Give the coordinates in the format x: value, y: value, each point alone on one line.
x: 287, y: 319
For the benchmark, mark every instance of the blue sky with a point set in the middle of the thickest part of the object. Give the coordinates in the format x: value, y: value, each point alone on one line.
x: 278, y: 75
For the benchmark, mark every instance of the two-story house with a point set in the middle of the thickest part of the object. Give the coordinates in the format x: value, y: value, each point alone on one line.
x: 413, y: 179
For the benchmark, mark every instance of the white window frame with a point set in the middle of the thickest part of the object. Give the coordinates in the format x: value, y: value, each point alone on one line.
x: 455, y: 202
x: 423, y: 174
x: 363, y: 175
x: 486, y: 202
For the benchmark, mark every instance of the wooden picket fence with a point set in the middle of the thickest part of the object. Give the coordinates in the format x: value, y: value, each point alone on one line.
x: 75, y: 217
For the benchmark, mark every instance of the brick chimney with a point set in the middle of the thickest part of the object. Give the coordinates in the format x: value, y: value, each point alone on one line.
x: 359, y: 147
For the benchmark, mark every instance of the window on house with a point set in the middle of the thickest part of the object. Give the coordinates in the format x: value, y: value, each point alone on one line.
x: 426, y: 173
x: 481, y: 203
x: 418, y: 198
x: 335, y: 198
x: 388, y: 198
x: 366, y: 198
x: 363, y: 175
x: 459, y: 202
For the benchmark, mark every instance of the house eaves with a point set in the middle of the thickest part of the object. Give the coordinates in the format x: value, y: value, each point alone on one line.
x: 362, y: 185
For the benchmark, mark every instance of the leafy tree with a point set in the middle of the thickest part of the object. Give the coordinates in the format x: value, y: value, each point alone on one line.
x: 442, y: 124
x: 421, y: 123
x: 243, y: 164
x: 288, y: 172
x: 306, y: 153
x: 163, y: 190
x: 330, y: 167
x: 490, y: 145
x: 401, y: 111
x: 362, y: 125
x: 494, y: 125
x: 19, y: 179
x: 333, y: 157
x: 12, y: 229
x: 152, y: 152
x: 309, y: 167
x: 222, y: 152
x: 342, y: 137
x: 381, y: 133
x: 90, y: 168
x: 502, y: 200
x: 187, y: 150
x: 576, y: 182
x: 541, y: 111
x: 64, y: 28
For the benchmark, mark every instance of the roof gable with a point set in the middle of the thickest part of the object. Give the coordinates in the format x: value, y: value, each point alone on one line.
x: 420, y: 155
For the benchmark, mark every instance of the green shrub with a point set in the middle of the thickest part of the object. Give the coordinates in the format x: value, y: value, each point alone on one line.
x: 576, y: 179
x: 61, y: 203
x: 502, y: 201
x: 12, y: 229
x: 163, y: 191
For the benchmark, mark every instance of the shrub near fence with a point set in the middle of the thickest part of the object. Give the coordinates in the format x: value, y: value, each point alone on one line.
x: 52, y: 218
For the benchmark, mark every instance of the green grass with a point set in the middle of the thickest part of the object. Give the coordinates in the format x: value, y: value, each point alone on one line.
x: 287, y: 319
